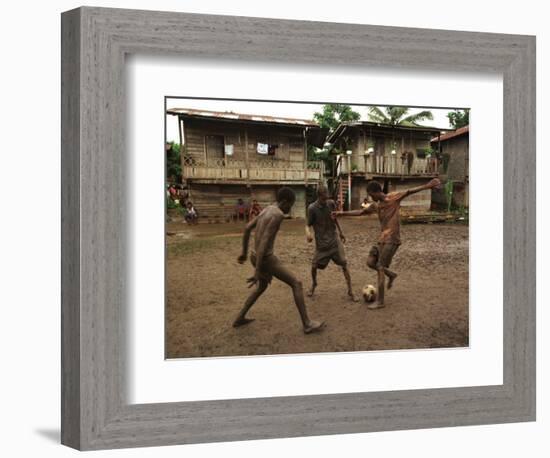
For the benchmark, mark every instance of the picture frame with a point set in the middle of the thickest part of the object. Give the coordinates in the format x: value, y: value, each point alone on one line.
x: 95, y: 411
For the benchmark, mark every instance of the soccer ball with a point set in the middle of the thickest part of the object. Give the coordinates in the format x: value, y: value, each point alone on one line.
x: 369, y: 293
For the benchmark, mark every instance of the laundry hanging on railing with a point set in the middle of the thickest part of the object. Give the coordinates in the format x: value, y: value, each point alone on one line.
x: 229, y: 150
x: 262, y: 148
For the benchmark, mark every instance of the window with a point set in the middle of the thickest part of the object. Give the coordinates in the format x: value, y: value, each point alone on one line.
x: 214, y: 146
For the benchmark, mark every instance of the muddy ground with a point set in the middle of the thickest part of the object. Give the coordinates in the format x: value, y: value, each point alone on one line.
x: 206, y: 287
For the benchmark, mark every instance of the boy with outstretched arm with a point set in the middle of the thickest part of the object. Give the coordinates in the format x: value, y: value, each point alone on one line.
x: 387, y: 206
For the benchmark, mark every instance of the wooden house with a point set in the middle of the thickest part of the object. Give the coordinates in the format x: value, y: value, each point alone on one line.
x: 227, y: 156
x: 454, y: 149
x: 399, y: 157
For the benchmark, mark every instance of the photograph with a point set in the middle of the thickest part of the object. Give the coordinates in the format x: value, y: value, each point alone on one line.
x: 296, y: 227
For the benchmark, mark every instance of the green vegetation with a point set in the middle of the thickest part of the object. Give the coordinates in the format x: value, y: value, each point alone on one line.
x: 398, y: 116
x: 173, y: 161
x: 330, y: 117
x: 170, y: 204
x: 459, y: 118
x: 333, y: 114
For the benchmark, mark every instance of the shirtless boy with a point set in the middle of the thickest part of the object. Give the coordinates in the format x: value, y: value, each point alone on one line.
x: 387, y: 206
x: 267, y: 265
x: 328, y: 245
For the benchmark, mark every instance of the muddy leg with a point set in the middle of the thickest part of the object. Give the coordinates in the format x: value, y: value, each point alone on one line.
x: 348, y: 282
x: 381, y: 280
x: 313, y: 280
x: 391, y: 276
x: 372, y: 261
x: 287, y: 277
x: 250, y: 301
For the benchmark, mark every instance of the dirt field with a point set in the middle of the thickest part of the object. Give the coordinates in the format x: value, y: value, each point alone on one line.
x: 206, y: 287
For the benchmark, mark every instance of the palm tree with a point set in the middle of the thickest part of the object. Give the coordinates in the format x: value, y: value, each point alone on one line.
x: 397, y: 116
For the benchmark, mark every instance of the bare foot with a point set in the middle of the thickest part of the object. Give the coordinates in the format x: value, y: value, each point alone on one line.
x: 352, y: 297
x: 311, y: 290
x: 314, y: 326
x: 375, y: 306
x: 242, y: 322
x: 391, y: 280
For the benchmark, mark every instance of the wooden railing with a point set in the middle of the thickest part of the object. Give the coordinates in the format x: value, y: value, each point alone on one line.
x: 254, y: 170
x: 393, y: 165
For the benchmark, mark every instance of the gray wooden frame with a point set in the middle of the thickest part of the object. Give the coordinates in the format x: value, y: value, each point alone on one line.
x: 95, y: 413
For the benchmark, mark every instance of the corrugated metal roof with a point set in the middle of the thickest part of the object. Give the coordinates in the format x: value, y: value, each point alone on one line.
x: 455, y: 133
x: 342, y: 127
x: 229, y: 115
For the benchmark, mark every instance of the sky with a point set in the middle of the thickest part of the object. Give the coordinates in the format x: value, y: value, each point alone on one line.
x: 288, y: 110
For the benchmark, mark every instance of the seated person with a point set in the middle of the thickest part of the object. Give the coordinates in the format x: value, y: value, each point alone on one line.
x: 172, y: 192
x: 191, y: 215
x: 241, y: 210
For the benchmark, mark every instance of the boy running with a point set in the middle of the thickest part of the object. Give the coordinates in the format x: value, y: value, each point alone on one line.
x: 328, y: 245
x: 267, y: 265
x: 387, y: 206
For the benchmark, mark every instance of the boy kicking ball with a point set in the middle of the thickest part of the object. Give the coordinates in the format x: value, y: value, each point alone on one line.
x: 387, y: 206
x: 267, y: 265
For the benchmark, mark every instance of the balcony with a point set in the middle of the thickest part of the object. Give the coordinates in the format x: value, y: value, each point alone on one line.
x: 390, y: 166
x: 257, y: 171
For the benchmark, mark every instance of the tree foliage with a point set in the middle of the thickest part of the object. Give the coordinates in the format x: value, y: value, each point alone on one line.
x: 333, y: 114
x: 459, y: 118
x: 173, y: 161
x: 398, y: 116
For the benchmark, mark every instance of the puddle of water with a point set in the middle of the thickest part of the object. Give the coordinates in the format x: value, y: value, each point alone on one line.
x: 183, y: 231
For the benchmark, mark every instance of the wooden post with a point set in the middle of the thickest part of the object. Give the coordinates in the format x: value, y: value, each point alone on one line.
x: 182, y: 135
x: 305, y: 156
x: 400, y: 161
x: 182, y: 156
x: 340, y: 194
x: 180, y: 130
x: 349, y: 181
x: 439, y: 156
x: 246, y: 157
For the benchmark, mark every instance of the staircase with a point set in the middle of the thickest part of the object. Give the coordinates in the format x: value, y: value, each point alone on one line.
x: 339, y: 187
x: 342, y: 199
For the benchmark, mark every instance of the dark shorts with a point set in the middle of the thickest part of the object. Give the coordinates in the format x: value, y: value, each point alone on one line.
x: 268, y: 267
x: 383, y: 252
x: 337, y: 255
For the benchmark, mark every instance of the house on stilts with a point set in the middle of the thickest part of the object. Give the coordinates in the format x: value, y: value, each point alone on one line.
x: 228, y: 156
x: 397, y: 156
